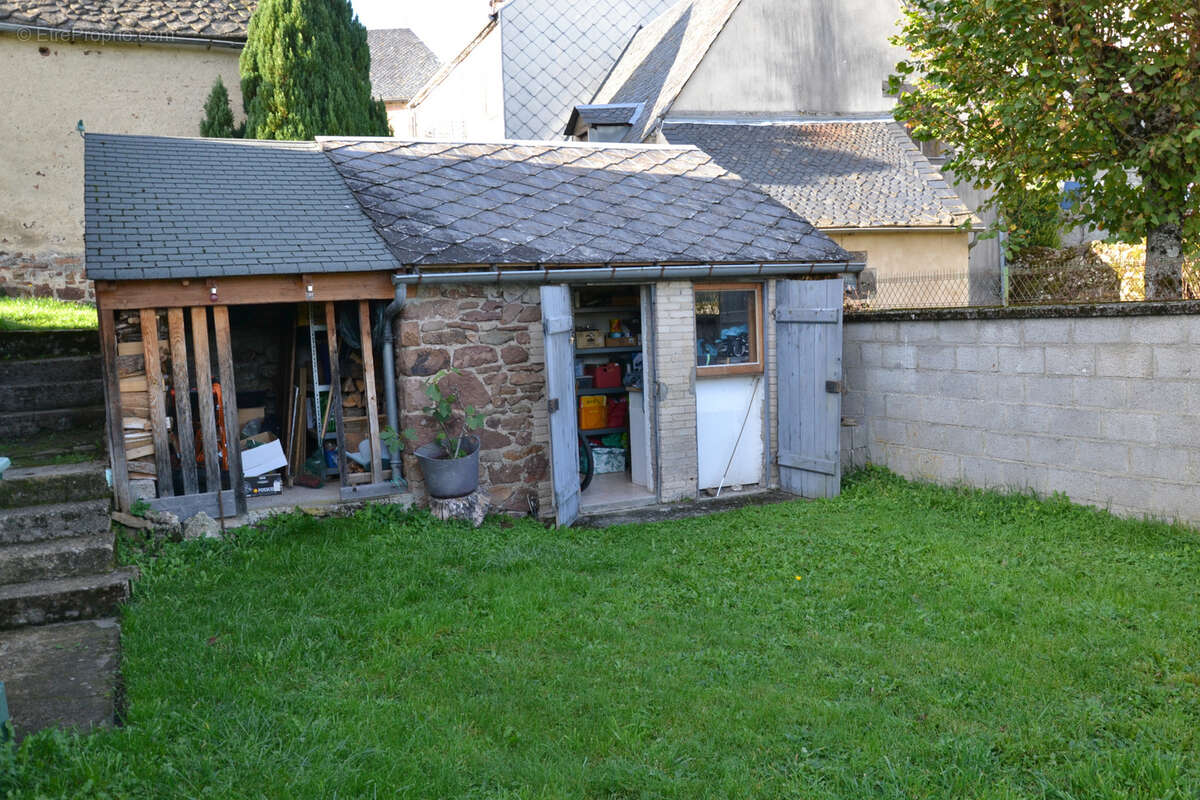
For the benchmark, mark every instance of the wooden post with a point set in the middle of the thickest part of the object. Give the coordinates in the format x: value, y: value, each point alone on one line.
x: 229, y: 402
x: 158, y: 411
x: 368, y: 357
x: 208, y: 415
x: 335, y: 393
x: 181, y: 382
x: 113, y: 418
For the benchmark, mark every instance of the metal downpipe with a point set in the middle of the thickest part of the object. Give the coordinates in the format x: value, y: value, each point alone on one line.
x: 390, y: 315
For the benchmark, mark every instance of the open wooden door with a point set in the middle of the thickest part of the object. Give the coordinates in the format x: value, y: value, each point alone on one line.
x: 558, y: 328
x: 808, y: 325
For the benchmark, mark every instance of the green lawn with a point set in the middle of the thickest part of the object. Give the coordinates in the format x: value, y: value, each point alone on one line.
x: 899, y: 641
x: 41, y: 313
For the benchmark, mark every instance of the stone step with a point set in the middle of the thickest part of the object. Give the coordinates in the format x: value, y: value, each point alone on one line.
x: 41, y: 396
x: 56, y: 521
x: 48, y: 371
x: 56, y: 558
x: 48, y: 344
x: 64, y: 599
x: 18, y: 424
x: 57, y: 483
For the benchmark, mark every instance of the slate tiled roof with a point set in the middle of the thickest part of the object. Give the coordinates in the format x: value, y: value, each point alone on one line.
x: 661, y: 58
x: 157, y: 207
x: 523, y: 203
x: 834, y: 174
x: 555, y: 54
x: 215, y: 19
x: 400, y: 63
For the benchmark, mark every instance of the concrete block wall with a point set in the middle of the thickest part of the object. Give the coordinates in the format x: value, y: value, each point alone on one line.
x: 1105, y: 409
x: 675, y: 370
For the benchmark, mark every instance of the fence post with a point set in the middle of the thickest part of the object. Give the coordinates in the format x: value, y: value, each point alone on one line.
x: 1003, y: 270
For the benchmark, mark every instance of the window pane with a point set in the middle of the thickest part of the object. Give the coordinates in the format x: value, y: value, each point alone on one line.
x: 726, y: 330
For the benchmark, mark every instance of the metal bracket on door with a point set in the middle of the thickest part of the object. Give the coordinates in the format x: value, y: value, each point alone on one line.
x: 834, y: 387
x: 553, y: 404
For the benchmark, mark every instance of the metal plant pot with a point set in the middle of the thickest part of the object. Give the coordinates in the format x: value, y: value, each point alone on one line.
x: 450, y: 477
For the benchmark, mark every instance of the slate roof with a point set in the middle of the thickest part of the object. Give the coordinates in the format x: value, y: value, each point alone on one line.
x: 834, y: 174
x: 157, y: 207
x: 215, y: 19
x: 604, y: 114
x: 661, y: 58
x: 555, y: 54
x: 441, y: 203
x: 400, y: 63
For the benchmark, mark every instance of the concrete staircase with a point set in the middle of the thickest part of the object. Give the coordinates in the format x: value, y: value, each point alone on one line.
x: 39, y: 395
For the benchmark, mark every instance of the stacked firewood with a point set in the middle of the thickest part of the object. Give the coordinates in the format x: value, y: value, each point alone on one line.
x: 135, y: 395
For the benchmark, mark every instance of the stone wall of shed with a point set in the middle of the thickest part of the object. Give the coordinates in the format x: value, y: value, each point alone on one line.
x: 493, y: 336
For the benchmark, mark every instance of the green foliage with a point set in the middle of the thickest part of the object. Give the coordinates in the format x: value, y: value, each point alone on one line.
x: 1030, y: 93
x: 447, y: 412
x: 939, y: 644
x: 1033, y: 218
x: 306, y: 72
x: 218, y: 115
x: 43, y: 313
x: 139, y: 507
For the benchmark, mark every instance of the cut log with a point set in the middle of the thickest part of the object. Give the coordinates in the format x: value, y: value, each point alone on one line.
x: 360, y: 385
x: 348, y: 385
x: 143, y: 466
x: 138, y: 452
x: 135, y: 424
x: 135, y: 383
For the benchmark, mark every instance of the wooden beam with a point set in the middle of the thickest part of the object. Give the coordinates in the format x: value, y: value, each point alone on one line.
x: 335, y: 393
x: 368, y: 357
x: 189, y: 505
x: 204, y: 394
x: 229, y: 403
x: 181, y: 382
x: 158, y: 411
x: 245, y: 290
x: 113, y: 419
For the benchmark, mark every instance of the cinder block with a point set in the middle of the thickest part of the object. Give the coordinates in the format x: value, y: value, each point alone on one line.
x: 1070, y: 360
x: 935, y: 356
x: 1007, y: 446
x: 1021, y: 360
x: 1125, y: 361
x: 1100, y: 330
x: 1055, y: 391
x: 1128, y: 426
x: 871, y: 354
x: 1002, y: 331
x: 957, y: 331
x: 1172, y: 430
x: 976, y: 358
x: 1177, y: 362
x: 1105, y: 393
x: 1162, y: 330
x: 1160, y: 462
x: 1051, y: 450
x: 961, y: 385
x: 1045, y: 331
x: 917, y: 332
x: 898, y: 356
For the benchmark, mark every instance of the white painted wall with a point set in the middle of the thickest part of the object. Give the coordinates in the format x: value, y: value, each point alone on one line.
x: 468, y: 105
x: 721, y: 406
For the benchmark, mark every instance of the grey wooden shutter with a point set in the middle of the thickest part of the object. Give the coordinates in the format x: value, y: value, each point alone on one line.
x: 808, y: 325
x: 560, y: 394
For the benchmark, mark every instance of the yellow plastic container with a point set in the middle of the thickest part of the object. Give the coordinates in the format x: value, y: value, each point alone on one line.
x: 592, y: 412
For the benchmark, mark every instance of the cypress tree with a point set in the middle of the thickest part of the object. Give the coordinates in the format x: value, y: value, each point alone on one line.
x: 218, y: 116
x: 306, y: 72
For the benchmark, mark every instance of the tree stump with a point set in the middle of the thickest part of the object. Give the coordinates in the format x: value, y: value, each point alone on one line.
x: 469, y: 508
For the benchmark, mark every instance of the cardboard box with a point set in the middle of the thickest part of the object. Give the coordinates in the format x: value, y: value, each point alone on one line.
x: 261, y: 485
x: 586, y: 340
x: 262, y: 459
x: 251, y: 413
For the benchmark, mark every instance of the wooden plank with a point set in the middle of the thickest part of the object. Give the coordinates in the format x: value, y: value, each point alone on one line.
x: 367, y: 491
x: 136, y: 403
x: 204, y: 406
x: 183, y: 401
x: 368, y: 355
x: 187, y: 506
x: 143, y: 466
x: 129, y: 349
x: 141, y: 452
x: 825, y: 466
x: 135, y: 383
x: 335, y: 397
x: 158, y: 410
x: 815, y: 315
x: 229, y: 403
x: 135, y: 423
x: 245, y: 289
x: 289, y: 387
x: 112, y: 408
x: 131, y: 365
x: 560, y: 393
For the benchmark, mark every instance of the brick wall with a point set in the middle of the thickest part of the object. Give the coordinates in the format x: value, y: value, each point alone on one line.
x: 675, y: 360
x: 494, y: 336
x: 60, y: 277
x: 1105, y: 409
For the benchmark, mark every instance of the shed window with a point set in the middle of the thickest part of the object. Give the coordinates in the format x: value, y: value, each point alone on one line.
x: 728, y: 329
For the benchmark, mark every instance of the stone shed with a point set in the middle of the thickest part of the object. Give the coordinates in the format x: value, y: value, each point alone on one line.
x: 638, y: 302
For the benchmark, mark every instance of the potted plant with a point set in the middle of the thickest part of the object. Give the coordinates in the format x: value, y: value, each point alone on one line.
x: 450, y: 463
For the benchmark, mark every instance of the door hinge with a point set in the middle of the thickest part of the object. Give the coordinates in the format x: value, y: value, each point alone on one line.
x: 553, y: 403
x: 834, y: 387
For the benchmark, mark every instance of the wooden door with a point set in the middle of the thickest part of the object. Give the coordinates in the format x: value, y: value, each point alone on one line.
x: 557, y: 325
x: 808, y: 325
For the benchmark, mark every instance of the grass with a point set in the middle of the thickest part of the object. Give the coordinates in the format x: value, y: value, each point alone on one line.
x: 902, y: 640
x: 41, y: 313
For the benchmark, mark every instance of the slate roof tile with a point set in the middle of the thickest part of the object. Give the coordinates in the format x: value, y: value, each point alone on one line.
x: 400, y: 63
x: 215, y: 19
x: 861, y: 174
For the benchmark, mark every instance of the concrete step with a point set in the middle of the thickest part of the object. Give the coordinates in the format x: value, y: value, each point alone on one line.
x: 64, y: 599
x: 47, y: 371
x: 48, y: 344
x: 41, y: 396
x: 56, y: 521
x: 17, y: 424
x: 57, y: 483
x: 56, y: 558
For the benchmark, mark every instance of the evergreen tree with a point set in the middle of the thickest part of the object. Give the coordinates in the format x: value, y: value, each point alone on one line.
x: 218, y: 115
x: 306, y: 72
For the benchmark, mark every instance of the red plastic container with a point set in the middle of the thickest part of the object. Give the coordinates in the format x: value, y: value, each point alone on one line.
x: 618, y: 412
x: 608, y: 376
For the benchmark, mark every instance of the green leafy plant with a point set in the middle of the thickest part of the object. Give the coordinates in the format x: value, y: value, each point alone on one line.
x: 454, y: 420
x: 139, y: 507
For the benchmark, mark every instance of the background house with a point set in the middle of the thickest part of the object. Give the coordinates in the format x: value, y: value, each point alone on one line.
x: 146, y: 67
x: 791, y: 98
x: 401, y: 64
